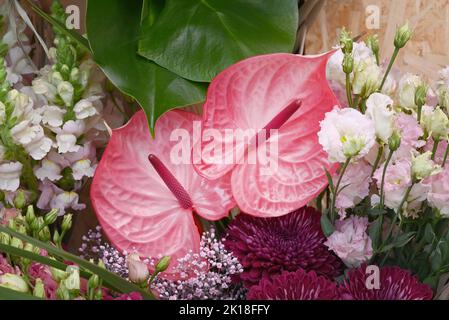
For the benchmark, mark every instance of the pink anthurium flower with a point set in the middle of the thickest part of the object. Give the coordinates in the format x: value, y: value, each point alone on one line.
x: 285, y: 92
x: 146, y: 196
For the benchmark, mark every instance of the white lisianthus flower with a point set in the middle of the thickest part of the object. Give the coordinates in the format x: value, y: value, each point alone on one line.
x: 346, y: 133
x: 84, y: 109
x: 66, y: 137
x: 65, y: 200
x: 65, y: 91
x: 48, y: 170
x: 367, y: 78
x: 443, y: 88
x: 435, y: 123
x: 379, y: 109
x: 83, y: 168
x: 423, y: 167
x: 10, y: 176
x: 53, y: 116
x: 407, y: 88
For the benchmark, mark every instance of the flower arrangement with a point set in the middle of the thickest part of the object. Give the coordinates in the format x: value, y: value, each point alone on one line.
x: 304, y: 178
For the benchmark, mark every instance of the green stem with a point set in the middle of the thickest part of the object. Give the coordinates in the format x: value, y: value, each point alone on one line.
x: 434, y: 149
x: 348, y: 90
x: 419, y: 114
x: 390, y: 65
x: 337, y: 186
x: 382, y: 182
x: 445, y: 154
x: 378, y: 157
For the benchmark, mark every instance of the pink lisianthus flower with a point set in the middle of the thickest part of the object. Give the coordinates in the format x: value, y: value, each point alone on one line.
x: 35, y: 271
x: 441, y: 150
x: 355, y: 180
x: 397, y: 179
x: 350, y: 242
x: 410, y: 132
x: 438, y: 195
x: 5, y: 267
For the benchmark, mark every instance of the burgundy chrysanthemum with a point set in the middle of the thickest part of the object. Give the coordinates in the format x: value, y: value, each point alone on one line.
x: 298, y: 285
x: 267, y: 246
x: 394, y: 284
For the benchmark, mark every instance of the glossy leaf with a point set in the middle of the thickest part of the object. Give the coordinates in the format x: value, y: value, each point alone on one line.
x: 199, y: 38
x: 113, y: 29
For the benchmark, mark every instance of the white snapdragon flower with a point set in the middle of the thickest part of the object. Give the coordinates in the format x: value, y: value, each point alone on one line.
x: 48, y: 170
x: 32, y: 138
x: 23, y: 107
x: 346, y: 133
x: 83, y: 168
x: 45, y: 88
x: 84, y: 109
x: 66, y: 200
x: 65, y: 91
x: 66, y: 137
x: 10, y: 176
x: 53, y: 116
x: 379, y: 109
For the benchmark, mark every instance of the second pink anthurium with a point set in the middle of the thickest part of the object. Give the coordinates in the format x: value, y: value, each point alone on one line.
x: 146, y: 192
x: 285, y: 92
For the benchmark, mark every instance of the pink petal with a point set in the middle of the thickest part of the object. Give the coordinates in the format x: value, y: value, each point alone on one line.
x: 136, y: 209
x: 248, y: 95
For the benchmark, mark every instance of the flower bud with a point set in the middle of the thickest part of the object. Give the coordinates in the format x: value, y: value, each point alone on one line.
x: 62, y: 293
x: 57, y: 274
x: 17, y: 243
x: 51, y: 217
x: 423, y: 166
x: 138, y: 270
x: 13, y: 282
x: 66, y: 222
x: 438, y: 125
x: 346, y: 42
x: 72, y: 282
x: 402, y: 36
x: 5, y: 238
x: 45, y: 234
x: 394, y: 142
x: 30, y: 216
x: 163, y: 264
x: 56, y: 236
x: 19, y: 199
x: 348, y: 63
x: 39, y: 289
x: 94, y: 281
x: 65, y: 91
x: 372, y: 42
x: 421, y: 95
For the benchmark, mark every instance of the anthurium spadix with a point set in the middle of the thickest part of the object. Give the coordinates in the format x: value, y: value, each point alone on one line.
x: 146, y: 195
x: 285, y: 95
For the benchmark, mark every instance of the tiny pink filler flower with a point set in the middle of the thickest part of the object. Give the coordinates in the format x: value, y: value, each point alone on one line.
x: 146, y: 203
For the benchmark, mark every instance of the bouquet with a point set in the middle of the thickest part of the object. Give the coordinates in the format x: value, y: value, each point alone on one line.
x: 278, y: 176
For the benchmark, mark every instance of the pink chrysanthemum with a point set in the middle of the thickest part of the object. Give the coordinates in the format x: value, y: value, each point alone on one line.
x: 268, y: 246
x: 299, y: 285
x: 394, y: 284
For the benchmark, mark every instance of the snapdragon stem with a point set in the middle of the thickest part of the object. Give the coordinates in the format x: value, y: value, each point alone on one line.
x: 337, y: 186
x: 379, y: 156
x: 434, y: 149
x: 390, y: 65
x: 349, y: 91
x: 382, y: 183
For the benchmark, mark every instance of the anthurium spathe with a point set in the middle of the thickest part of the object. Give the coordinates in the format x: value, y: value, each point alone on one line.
x: 146, y: 198
x: 285, y: 92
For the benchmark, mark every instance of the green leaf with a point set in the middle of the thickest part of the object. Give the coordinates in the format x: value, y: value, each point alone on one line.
x: 119, y: 284
x: 375, y: 229
x: 429, y: 234
x: 326, y: 225
x: 60, y: 26
x: 8, y: 294
x: 113, y: 29
x: 376, y: 211
x: 330, y: 181
x: 401, y: 241
x: 199, y: 38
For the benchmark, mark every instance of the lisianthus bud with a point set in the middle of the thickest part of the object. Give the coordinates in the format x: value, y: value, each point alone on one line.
x: 51, y: 217
x: 57, y: 274
x: 39, y: 289
x: 421, y: 95
x: 346, y: 42
x: 436, y: 124
x: 402, y: 36
x: 163, y: 264
x: 72, y: 282
x: 372, y: 42
x: 30, y: 216
x: 45, y: 234
x: 66, y: 222
x: 94, y: 281
x: 408, y: 86
x: 348, y: 63
x: 394, y: 142
x: 13, y: 282
x: 423, y: 166
x: 138, y: 270
x: 20, y: 199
